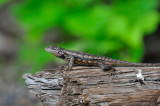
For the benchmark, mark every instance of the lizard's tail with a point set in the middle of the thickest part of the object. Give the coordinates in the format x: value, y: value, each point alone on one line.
x: 133, y: 64
x: 144, y: 64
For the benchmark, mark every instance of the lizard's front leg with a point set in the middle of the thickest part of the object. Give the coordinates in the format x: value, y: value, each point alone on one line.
x: 71, y: 62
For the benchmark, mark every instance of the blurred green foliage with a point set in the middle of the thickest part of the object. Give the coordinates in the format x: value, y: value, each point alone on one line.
x: 2, y: 2
x: 113, y: 27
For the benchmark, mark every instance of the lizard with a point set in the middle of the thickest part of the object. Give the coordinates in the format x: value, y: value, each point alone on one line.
x: 105, y: 63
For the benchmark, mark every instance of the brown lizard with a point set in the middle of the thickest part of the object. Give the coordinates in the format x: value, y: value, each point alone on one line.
x: 105, y: 63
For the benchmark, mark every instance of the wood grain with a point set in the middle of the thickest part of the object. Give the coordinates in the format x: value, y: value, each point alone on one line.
x: 91, y: 86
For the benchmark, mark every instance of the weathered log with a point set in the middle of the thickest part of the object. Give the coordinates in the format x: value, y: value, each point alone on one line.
x: 92, y: 86
x: 46, y: 85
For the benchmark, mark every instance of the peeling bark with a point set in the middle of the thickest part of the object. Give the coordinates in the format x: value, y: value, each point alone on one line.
x: 91, y: 86
x: 46, y: 85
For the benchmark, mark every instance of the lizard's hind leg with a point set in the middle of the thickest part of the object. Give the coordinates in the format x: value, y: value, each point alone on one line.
x: 104, y: 67
x: 107, y: 68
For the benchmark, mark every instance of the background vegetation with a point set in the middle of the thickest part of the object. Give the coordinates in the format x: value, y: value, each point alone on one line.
x: 113, y: 28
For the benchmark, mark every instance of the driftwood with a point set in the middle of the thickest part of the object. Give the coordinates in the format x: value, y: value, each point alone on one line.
x: 91, y: 86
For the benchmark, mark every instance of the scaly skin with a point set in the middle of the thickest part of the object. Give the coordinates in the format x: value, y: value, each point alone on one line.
x: 105, y: 63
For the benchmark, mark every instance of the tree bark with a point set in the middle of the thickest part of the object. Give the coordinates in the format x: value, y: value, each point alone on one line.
x: 91, y: 86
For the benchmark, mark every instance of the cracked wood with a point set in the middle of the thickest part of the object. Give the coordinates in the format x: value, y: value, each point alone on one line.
x: 91, y: 86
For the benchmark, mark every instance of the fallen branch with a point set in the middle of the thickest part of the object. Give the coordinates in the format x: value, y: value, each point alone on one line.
x: 92, y: 86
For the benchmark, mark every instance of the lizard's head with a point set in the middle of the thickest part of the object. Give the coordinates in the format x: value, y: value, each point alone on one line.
x: 55, y: 50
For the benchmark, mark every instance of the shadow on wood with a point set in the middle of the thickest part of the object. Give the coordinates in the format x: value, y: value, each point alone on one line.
x: 92, y: 86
